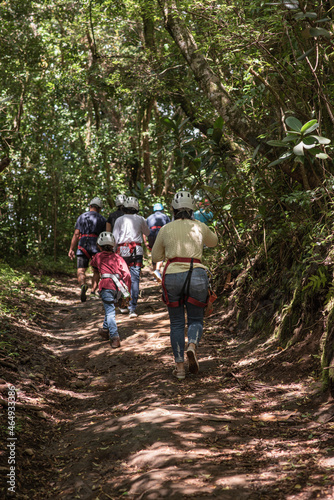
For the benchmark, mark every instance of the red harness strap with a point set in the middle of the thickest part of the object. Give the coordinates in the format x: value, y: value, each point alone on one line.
x: 82, y: 248
x: 85, y: 252
x: 183, y: 299
x: 132, y: 246
x: 156, y: 227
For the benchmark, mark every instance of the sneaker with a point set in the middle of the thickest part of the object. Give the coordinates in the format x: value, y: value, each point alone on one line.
x: 157, y: 275
x: 84, y: 289
x: 115, y: 342
x: 123, y: 311
x: 192, y: 358
x: 104, y: 333
x: 95, y: 296
x: 133, y: 315
x: 180, y: 375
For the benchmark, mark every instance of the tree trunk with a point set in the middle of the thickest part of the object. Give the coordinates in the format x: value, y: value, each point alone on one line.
x: 209, y: 82
x: 146, y: 143
x: 159, y: 165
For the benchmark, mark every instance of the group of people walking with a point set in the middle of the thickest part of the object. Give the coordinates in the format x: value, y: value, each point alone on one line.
x: 116, y: 248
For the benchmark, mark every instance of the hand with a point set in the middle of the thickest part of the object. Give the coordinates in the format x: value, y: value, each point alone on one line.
x: 71, y: 254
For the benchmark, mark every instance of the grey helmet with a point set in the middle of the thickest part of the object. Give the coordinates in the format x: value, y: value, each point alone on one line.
x: 120, y: 199
x: 131, y: 202
x: 106, y: 238
x: 183, y: 199
x: 96, y: 201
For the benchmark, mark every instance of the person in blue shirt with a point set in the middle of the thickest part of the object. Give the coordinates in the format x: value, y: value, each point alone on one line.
x: 87, y: 229
x: 204, y: 214
x: 155, y: 222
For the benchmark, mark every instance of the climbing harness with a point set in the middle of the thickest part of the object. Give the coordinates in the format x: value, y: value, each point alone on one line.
x: 87, y: 254
x: 122, y: 289
x: 184, y: 296
x: 132, y: 247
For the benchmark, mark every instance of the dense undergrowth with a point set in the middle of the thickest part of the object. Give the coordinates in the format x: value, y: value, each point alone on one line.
x: 283, y: 287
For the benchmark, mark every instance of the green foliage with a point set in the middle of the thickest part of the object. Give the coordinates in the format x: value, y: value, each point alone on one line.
x: 316, y: 282
x: 301, y: 142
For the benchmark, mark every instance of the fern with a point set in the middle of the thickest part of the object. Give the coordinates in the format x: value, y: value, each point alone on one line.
x: 316, y: 282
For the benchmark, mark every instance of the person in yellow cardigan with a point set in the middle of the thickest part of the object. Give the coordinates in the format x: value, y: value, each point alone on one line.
x: 185, y: 279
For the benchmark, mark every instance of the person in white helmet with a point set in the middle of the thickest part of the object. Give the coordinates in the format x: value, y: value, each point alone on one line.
x: 128, y: 233
x: 113, y: 216
x: 185, y: 280
x: 155, y: 222
x: 115, y: 276
x: 87, y: 229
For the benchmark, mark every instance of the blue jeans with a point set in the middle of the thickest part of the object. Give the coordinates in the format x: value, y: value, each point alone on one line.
x: 108, y: 298
x: 198, y: 289
x: 135, y: 276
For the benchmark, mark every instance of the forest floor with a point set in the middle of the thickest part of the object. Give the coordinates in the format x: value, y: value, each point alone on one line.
x: 93, y: 422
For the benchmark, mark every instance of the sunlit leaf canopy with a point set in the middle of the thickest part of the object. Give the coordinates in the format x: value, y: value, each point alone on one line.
x: 148, y: 97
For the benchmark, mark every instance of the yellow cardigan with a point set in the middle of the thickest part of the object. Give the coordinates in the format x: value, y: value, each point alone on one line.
x: 182, y: 238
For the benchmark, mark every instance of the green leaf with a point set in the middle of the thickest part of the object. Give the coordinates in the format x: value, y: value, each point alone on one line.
x: 309, y: 145
x: 280, y: 159
x: 256, y: 151
x: 217, y: 135
x: 299, y: 149
x: 321, y: 140
x: 219, y: 123
x: 323, y: 20
x: 290, y: 138
x: 292, y: 4
x: 309, y: 126
x: 276, y: 143
x: 315, y: 151
x: 305, y: 54
x: 302, y: 15
x: 294, y: 123
x: 315, y: 32
x: 170, y: 123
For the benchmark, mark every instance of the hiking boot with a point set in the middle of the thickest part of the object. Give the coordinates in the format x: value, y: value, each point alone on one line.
x: 104, y: 333
x: 84, y: 289
x: 115, y: 342
x: 192, y: 358
x: 133, y: 315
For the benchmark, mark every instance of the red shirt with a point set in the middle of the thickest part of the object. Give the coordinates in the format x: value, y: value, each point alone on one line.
x: 111, y: 263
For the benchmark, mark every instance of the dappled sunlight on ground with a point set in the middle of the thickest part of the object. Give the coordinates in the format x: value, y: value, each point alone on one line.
x: 118, y: 425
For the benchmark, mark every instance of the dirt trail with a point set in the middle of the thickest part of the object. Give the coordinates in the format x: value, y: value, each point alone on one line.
x: 118, y: 425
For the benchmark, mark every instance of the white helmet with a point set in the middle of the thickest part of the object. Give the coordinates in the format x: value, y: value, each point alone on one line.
x: 106, y: 238
x: 96, y: 201
x: 120, y: 199
x: 183, y: 199
x: 131, y: 202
